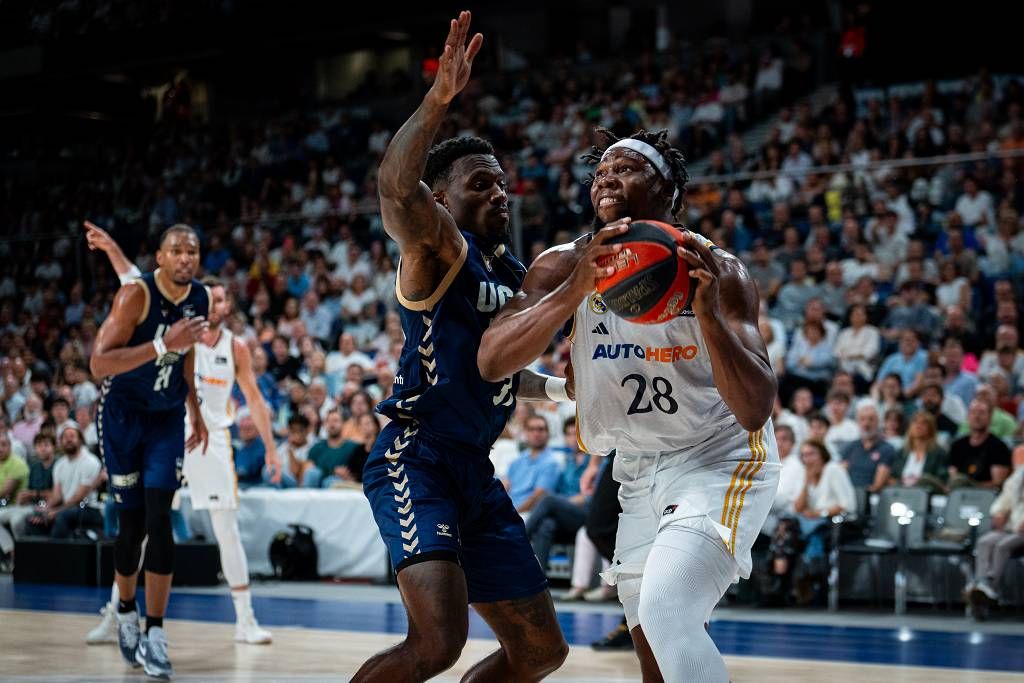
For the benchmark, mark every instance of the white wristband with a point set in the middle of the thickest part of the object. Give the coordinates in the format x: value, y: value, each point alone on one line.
x: 130, y: 275
x: 554, y: 387
x: 159, y: 347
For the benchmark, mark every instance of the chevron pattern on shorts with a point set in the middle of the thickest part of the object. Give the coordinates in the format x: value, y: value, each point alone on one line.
x: 403, y: 494
x: 405, y: 406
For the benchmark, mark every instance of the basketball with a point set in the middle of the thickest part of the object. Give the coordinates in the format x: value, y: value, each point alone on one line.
x: 651, y: 284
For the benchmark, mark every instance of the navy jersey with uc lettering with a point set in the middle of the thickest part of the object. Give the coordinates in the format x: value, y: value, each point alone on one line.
x: 159, y: 385
x: 438, y: 382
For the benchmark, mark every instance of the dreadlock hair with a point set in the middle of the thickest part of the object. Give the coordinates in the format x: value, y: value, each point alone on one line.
x: 659, y: 141
x: 443, y: 156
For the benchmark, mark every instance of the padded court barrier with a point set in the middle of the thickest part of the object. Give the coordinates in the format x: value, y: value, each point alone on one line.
x: 91, y: 563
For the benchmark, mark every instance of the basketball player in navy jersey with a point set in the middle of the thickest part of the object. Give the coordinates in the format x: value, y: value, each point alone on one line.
x: 221, y: 360
x: 695, y: 451
x: 144, y: 352
x: 451, y: 529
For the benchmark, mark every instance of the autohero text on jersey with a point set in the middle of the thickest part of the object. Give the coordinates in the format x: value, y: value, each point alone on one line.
x: 652, y: 354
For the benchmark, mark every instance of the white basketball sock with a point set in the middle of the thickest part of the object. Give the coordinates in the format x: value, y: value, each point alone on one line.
x: 232, y: 555
x: 686, y: 574
x: 243, y: 605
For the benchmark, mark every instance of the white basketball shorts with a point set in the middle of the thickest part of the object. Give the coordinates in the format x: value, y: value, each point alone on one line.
x: 722, y: 488
x: 211, y: 476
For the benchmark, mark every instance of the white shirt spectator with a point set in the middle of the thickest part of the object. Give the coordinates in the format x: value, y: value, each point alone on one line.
x: 72, y: 473
x: 364, y: 331
x: 352, y: 303
x: 976, y: 210
x: 338, y: 253
x: 950, y: 293
x: 769, y: 76
x: 778, y: 189
x: 48, y: 270
x: 904, y: 214
x: 733, y: 94
x: 337, y: 362
x: 833, y: 488
x: 890, y: 249
x: 855, y: 269
x: 791, y: 482
x: 840, y: 434
x: 346, y: 270
x: 1011, y: 500
x: 931, y: 272
x: 796, y: 166
x: 378, y: 142
x: 710, y: 111
x: 796, y: 423
x: 7, y: 287
x: 857, y: 350
x: 85, y: 393
x: 990, y: 363
x: 314, y: 208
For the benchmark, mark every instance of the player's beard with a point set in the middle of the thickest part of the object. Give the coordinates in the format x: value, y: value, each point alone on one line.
x: 489, y: 243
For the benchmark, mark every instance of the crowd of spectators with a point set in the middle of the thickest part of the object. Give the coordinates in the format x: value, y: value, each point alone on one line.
x: 890, y: 294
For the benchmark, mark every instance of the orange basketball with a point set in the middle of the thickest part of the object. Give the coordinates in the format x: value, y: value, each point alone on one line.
x: 651, y: 283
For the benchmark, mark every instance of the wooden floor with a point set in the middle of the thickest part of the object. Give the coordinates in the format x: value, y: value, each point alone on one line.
x: 49, y: 646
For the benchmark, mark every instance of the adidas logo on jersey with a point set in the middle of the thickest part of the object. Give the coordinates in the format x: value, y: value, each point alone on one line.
x: 600, y: 329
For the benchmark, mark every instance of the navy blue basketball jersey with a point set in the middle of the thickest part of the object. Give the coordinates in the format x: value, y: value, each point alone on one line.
x: 438, y: 382
x: 159, y: 384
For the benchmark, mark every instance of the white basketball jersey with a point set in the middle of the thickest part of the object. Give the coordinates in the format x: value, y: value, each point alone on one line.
x: 642, y: 388
x: 215, y: 377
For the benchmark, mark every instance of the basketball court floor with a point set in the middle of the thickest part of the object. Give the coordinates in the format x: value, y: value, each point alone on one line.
x: 323, y: 632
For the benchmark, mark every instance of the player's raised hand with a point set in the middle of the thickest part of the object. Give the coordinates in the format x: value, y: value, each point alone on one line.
x: 592, y: 267
x: 184, y: 333
x: 456, y: 59
x: 97, y: 238
x: 704, y: 269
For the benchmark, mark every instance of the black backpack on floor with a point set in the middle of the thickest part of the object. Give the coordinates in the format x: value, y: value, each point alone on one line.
x: 293, y: 555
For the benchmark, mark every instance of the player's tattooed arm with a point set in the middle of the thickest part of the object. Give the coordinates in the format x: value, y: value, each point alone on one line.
x: 532, y: 386
x: 425, y: 232
x: 726, y: 305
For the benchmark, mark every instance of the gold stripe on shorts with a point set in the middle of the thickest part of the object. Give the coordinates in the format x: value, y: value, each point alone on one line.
x: 762, y: 456
x: 739, y: 477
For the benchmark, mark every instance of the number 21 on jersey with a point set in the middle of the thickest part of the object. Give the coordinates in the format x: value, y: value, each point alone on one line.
x: 163, y: 373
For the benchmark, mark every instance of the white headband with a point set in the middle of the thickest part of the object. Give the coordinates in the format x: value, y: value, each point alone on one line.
x: 648, y: 152
x: 645, y: 150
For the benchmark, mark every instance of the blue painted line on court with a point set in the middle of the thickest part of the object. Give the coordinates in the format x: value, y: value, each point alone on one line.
x: 964, y: 650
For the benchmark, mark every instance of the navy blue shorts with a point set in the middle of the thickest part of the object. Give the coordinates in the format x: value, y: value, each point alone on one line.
x: 141, y: 450
x: 436, y: 502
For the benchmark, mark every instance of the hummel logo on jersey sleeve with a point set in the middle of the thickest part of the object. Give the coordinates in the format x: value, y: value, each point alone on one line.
x: 600, y: 329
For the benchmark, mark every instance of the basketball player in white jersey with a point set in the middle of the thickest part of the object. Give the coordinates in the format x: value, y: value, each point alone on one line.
x: 221, y: 360
x: 686, y: 404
